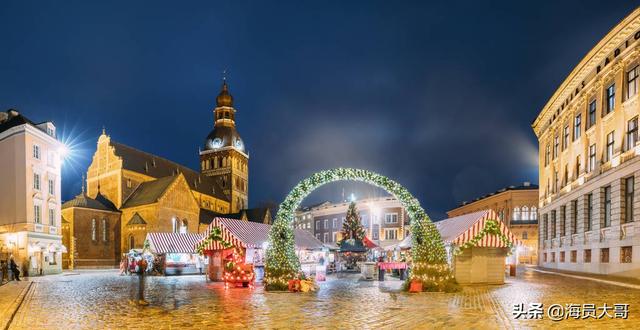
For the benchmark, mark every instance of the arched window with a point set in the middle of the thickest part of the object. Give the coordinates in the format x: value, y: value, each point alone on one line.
x: 516, y: 214
x: 525, y: 235
x: 132, y: 242
x: 175, y: 226
x: 184, y: 226
x: 94, y: 230
x: 105, y: 236
x: 534, y: 213
x: 525, y: 213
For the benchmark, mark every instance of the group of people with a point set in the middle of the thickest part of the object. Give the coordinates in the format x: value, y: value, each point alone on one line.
x: 7, y: 266
x: 134, y: 265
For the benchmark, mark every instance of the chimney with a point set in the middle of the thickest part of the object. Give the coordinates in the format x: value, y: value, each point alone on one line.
x: 3, y: 117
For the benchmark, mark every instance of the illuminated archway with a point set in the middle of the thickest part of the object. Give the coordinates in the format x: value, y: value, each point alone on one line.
x: 428, y: 252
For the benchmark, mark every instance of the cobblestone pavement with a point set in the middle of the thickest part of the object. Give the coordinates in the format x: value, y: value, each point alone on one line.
x: 101, y: 300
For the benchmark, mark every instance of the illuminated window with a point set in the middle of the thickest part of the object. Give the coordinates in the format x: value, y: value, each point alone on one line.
x: 592, y: 158
x: 534, y: 213
x: 94, y: 229
x: 516, y: 214
x: 604, y: 255
x: 104, y: 226
x: 611, y: 98
x: 626, y: 254
x: 609, y: 151
x: 184, y: 226
x: 592, y: 114
x: 632, y: 82
x: 37, y: 213
x: 525, y: 213
x: 577, y: 127
x: 36, y: 181
x: 36, y: 151
x: 629, y: 186
x: 607, y: 206
x: 565, y: 137
x: 587, y: 256
x: 390, y: 234
x: 632, y: 133
x: 391, y: 218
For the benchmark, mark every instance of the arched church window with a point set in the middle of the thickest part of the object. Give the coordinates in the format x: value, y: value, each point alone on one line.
x: 183, y: 226
x: 516, y: 214
x: 94, y: 230
x: 525, y: 213
x: 175, y: 227
x: 132, y: 242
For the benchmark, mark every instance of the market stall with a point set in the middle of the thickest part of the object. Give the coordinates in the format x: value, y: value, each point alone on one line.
x: 224, y: 237
x: 477, y: 244
x: 176, y: 252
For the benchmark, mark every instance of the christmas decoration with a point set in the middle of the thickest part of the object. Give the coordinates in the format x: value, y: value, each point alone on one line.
x: 491, y: 227
x: 352, y: 228
x: 214, y: 236
x: 429, y: 256
x: 236, y: 271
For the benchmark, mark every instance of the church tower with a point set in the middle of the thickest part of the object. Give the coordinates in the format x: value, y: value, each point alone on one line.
x: 224, y: 156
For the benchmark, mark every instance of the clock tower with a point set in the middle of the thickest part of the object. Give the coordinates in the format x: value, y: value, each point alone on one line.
x: 223, y: 155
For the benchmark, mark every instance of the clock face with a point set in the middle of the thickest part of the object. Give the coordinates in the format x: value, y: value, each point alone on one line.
x: 216, y: 143
x: 238, y: 144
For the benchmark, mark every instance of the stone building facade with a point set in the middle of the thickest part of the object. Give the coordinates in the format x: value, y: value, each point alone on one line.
x: 385, y: 220
x: 93, y: 236
x: 589, y: 164
x: 517, y: 207
x: 30, y: 176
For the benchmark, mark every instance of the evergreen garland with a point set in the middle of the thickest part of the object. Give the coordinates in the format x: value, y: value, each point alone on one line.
x: 429, y: 256
x: 214, y: 236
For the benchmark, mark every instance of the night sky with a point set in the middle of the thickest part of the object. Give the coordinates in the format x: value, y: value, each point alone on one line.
x: 439, y: 97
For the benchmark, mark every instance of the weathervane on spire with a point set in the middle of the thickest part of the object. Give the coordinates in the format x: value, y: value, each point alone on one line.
x: 224, y: 75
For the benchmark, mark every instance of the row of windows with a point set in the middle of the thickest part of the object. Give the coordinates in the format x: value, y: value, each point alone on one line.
x: 389, y: 218
x: 626, y: 256
x: 104, y: 230
x: 51, y: 188
x: 631, y: 138
x: 608, y: 107
x: 389, y: 234
x: 219, y: 162
x: 525, y: 213
x: 627, y: 204
x: 37, y: 214
x: 37, y: 154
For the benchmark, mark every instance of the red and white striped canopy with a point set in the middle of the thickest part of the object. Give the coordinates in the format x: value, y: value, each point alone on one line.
x: 173, y: 242
x: 461, y: 229
x: 248, y: 234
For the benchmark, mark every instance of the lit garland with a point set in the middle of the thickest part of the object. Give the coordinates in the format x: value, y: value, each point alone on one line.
x: 214, y: 236
x: 491, y: 227
x: 429, y: 256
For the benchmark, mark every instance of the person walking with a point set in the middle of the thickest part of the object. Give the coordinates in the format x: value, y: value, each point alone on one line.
x: 123, y: 266
x: 4, y: 267
x: 141, y: 269
x: 14, y: 269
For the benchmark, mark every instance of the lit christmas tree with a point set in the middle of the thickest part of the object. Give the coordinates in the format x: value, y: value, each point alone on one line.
x: 352, y: 227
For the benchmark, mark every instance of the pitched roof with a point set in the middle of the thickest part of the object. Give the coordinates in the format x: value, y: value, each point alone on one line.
x: 173, y: 242
x: 84, y: 201
x: 158, y: 167
x: 524, y: 186
x: 136, y: 219
x: 254, y: 215
x: 13, y: 119
x: 254, y: 235
x: 149, y: 192
x: 206, y: 216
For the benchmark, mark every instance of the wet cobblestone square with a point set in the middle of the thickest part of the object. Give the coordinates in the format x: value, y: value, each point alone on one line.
x: 100, y: 299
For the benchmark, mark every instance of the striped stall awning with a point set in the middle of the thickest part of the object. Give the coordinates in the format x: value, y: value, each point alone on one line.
x: 173, y: 242
x: 462, y: 229
x: 248, y: 234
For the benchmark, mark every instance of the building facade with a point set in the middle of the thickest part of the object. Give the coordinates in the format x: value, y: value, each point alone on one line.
x: 385, y: 220
x: 588, y: 160
x: 30, y: 167
x: 516, y: 206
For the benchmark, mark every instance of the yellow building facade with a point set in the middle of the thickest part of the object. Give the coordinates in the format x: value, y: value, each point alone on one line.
x: 588, y: 160
x: 517, y: 207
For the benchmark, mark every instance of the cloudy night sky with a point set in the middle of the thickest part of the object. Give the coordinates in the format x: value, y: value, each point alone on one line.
x: 438, y: 96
